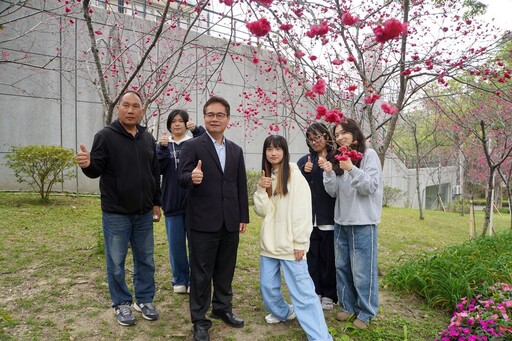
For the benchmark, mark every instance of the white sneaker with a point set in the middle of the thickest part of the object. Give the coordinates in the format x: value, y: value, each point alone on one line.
x: 180, y: 289
x: 271, y: 319
x: 327, y: 303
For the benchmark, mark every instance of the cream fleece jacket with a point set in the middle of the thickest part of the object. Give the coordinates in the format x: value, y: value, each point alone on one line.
x: 287, y: 219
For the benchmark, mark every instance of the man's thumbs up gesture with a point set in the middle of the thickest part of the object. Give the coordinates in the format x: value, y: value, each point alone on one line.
x: 197, y: 174
x: 83, y: 157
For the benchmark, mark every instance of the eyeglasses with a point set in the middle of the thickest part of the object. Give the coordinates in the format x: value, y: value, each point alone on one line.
x: 315, y: 139
x: 218, y: 115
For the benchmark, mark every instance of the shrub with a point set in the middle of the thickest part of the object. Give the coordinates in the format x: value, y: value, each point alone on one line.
x: 391, y: 195
x: 442, y: 278
x: 252, y: 183
x: 42, y: 166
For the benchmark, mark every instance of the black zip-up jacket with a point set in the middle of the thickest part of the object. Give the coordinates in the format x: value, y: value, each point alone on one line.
x: 128, y: 169
x: 322, y: 203
x: 173, y: 196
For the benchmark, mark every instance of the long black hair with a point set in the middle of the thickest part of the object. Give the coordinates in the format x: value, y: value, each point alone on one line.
x: 359, y: 140
x: 283, y: 174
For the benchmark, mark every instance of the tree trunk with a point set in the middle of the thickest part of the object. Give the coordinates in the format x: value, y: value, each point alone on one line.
x: 489, y: 201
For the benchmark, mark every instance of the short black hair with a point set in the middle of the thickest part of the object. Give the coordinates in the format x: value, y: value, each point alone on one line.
x: 131, y: 92
x: 182, y: 113
x: 217, y: 99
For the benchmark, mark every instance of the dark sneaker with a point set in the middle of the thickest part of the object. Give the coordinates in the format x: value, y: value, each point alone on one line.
x: 124, y: 314
x: 148, y: 310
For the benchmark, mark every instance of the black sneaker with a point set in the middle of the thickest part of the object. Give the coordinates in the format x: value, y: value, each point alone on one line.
x: 124, y: 314
x: 148, y: 310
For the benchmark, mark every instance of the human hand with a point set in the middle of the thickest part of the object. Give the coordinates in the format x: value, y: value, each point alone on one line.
x: 299, y: 254
x: 157, y: 214
x: 191, y: 125
x: 325, y: 165
x: 308, y: 166
x: 197, y: 174
x: 264, y: 182
x: 346, y: 165
x: 165, y: 139
x: 83, y: 157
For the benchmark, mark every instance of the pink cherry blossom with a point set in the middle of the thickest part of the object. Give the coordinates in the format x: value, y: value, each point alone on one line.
x: 372, y: 99
x: 265, y: 3
x: 321, y: 111
x: 285, y: 27
x: 348, y: 19
x: 259, y: 28
x: 319, y: 87
x: 389, y: 109
x: 391, y: 29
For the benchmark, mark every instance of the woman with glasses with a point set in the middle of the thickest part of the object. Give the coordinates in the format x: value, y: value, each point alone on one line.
x: 358, y: 192
x: 320, y: 256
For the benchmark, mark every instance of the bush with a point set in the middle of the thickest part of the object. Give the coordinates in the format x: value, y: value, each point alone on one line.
x: 42, y: 166
x: 391, y: 195
x: 444, y: 278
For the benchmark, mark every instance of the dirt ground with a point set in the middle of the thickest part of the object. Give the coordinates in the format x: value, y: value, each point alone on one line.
x: 75, y: 312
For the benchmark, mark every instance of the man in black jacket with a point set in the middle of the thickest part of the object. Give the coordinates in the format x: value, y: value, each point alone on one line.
x: 123, y: 156
x: 213, y: 169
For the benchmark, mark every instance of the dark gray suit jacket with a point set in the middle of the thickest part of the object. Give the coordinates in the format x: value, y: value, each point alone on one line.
x: 222, y: 197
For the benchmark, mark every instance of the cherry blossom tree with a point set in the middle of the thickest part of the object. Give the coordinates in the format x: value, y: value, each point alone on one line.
x: 368, y: 60
x: 486, y: 123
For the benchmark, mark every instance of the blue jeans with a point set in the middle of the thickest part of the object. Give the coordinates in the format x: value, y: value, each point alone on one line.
x: 356, y: 269
x: 302, y: 292
x: 177, y: 242
x: 119, y: 231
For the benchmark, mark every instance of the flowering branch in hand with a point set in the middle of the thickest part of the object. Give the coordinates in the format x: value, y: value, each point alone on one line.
x: 346, y: 152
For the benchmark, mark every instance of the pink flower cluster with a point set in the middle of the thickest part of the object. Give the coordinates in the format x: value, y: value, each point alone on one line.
x: 389, y: 109
x: 348, y: 19
x: 319, y: 87
x: 345, y: 153
x: 318, y: 30
x: 372, y: 99
x: 330, y: 116
x: 391, y: 29
x: 482, y: 319
x: 259, y: 28
x: 265, y: 3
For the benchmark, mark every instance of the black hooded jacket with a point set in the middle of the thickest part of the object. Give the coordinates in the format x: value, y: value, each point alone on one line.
x: 128, y: 169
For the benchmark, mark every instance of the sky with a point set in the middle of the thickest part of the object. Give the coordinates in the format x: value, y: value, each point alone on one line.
x: 500, y: 10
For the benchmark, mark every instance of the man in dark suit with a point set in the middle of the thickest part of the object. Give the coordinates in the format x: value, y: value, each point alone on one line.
x: 213, y: 170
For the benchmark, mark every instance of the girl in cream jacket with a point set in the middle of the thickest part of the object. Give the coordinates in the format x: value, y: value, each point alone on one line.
x: 283, y: 199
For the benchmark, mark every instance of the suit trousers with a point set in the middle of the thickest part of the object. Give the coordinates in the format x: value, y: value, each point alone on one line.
x: 212, y: 258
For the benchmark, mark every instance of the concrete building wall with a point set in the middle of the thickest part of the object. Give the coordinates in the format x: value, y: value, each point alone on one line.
x: 55, y: 103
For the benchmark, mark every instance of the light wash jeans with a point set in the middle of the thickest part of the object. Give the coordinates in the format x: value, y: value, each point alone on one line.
x: 356, y: 270
x: 119, y: 231
x: 305, y: 302
x: 177, y: 242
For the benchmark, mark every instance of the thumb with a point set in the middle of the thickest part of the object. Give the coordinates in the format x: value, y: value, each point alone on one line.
x: 164, y: 133
x: 199, y: 163
x: 309, y: 158
x: 263, y: 173
x: 82, y: 148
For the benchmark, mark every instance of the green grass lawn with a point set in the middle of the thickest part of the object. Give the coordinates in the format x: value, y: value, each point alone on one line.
x: 52, y: 277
